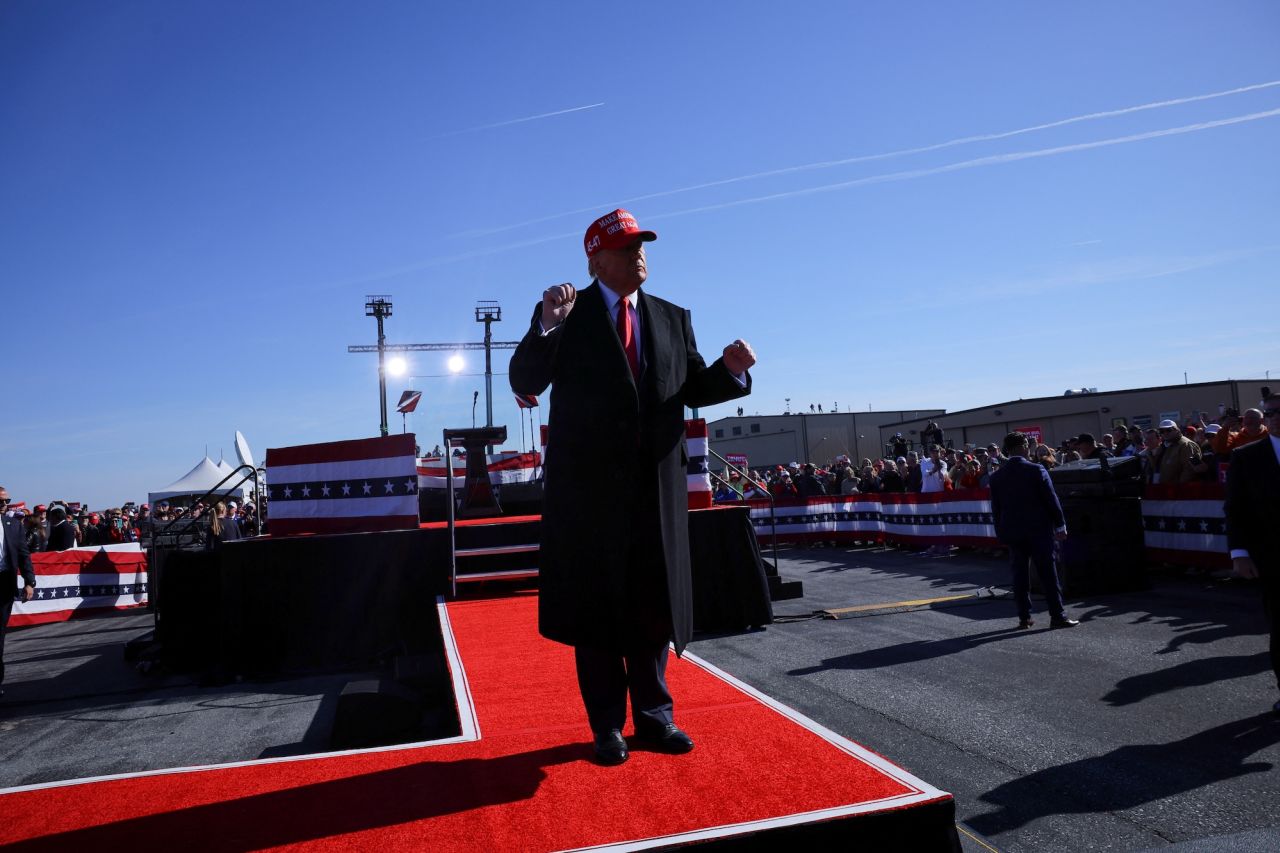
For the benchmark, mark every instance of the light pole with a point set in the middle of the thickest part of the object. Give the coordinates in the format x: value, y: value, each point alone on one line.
x: 488, y: 312
x: 379, y: 306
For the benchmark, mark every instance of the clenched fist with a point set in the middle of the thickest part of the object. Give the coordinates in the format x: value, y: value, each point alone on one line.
x: 557, y: 302
x: 738, y: 356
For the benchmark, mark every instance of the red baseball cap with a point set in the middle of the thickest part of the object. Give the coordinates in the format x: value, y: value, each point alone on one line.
x: 615, y: 230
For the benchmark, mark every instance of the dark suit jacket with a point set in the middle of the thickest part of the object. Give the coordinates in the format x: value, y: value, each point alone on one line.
x: 62, y: 537
x: 615, y: 472
x: 1252, y: 506
x: 1024, y: 505
x: 16, y: 559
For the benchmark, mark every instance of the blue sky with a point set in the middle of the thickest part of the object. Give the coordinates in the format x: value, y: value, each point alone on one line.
x: 196, y: 197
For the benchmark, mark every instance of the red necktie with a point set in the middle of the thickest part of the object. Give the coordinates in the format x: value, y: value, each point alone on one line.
x: 627, y: 334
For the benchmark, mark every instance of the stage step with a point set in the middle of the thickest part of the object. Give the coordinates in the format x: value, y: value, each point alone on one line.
x: 510, y: 574
x: 495, y: 550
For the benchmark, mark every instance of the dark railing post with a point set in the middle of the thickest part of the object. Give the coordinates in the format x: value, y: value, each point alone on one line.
x: 154, y: 582
x: 448, y: 498
x: 773, y: 514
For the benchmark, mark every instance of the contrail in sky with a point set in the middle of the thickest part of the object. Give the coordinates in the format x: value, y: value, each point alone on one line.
x: 981, y: 161
x: 518, y: 120
x: 903, y: 152
x: 888, y: 177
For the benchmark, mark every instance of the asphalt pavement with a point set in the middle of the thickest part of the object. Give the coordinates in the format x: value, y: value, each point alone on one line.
x: 1146, y: 726
x: 75, y: 708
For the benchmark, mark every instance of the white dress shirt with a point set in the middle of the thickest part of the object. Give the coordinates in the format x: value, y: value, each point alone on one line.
x: 612, y: 301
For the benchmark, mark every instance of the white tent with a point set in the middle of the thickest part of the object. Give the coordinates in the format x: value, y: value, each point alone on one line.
x: 198, y: 481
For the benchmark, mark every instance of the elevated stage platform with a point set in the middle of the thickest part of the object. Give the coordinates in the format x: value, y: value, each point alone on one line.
x: 319, y: 603
x: 516, y: 776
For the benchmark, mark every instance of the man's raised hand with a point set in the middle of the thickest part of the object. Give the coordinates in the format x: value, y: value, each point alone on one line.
x: 739, y: 357
x: 557, y: 302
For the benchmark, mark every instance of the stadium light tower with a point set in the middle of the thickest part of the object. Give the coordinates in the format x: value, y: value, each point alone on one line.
x: 488, y: 312
x: 379, y: 306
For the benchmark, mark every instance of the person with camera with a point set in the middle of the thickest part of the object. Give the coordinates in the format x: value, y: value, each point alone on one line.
x: 1252, y: 507
x: 1238, y: 430
x: 62, y: 535
x: 37, y: 529
x: 933, y: 471
x: 931, y: 435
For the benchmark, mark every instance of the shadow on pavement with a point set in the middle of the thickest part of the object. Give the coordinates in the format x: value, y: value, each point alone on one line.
x: 912, y: 652
x: 1192, y: 673
x: 1131, y: 776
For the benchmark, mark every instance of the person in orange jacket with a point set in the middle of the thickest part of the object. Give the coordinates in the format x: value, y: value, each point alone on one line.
x: 1239, y: 431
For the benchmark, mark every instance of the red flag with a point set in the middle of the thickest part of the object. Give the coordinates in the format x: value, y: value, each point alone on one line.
x: 526, y: 401
x: 408, y: 401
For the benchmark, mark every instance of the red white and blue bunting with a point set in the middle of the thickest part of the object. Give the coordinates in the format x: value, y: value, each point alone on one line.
x: 958, y: 518
x: 1183, y: 524
x: 83, y: 581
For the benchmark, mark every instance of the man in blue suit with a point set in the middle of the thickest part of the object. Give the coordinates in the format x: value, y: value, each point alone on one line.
x: 1028, y: 518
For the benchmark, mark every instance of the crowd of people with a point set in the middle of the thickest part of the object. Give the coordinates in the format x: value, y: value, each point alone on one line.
x: 1169, y: 453
x: 62, y: 525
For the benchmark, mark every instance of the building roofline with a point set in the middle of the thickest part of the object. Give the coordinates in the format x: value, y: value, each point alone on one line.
x: 1094, y: 394
x: 938, y: 413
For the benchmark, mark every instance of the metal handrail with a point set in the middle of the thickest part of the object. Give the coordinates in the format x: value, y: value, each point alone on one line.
x: 773, y: 514
x: 448, y: 499
x: 155, y: 580
x: 216, y: 491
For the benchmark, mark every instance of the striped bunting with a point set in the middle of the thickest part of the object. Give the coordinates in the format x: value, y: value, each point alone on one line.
x: 343, y: 486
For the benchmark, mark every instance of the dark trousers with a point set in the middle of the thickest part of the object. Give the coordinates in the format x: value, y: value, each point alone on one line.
x: 1271, y: 600
x: 606, y: 678
x: 6, y: 608
x: 1038, y: 550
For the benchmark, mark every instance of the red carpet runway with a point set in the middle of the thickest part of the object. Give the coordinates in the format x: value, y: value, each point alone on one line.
x: 519, y: 777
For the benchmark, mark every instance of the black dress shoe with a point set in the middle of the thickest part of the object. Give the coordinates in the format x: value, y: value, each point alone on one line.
x: 611, y: 749
x: 1064, y: 622
x: 668, y: 739
x: 1024, y: 624
x: 1276, y: 707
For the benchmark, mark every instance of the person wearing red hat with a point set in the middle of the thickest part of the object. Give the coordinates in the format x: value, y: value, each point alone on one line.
x: 15, y: 560
x: 614, y: 576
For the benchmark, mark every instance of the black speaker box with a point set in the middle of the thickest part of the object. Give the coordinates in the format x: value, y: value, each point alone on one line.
x: 1104, y: 551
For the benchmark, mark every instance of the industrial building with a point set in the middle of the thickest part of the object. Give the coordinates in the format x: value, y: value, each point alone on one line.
x: 779, y: 439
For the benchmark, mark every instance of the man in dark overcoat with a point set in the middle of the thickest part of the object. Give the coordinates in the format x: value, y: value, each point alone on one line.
x: 1027, y: 518
x: 614, y: 576
x: 1252, y: 508
x: 15, y: 561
